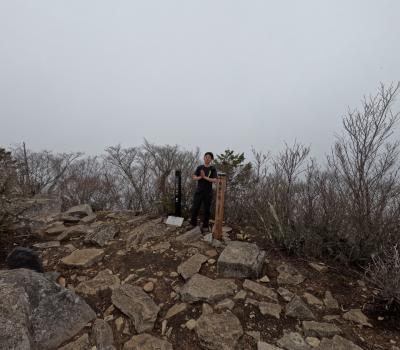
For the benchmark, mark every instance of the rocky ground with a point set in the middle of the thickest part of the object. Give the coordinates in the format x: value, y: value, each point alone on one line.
x: 153, y: 286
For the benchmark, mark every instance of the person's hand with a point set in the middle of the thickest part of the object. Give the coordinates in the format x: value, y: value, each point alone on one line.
x: 202, y: 174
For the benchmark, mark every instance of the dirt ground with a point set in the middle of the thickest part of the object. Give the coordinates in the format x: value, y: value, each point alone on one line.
x: 147, y: 264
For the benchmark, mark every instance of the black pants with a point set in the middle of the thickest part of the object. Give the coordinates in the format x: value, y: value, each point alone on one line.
x: 199, y: 198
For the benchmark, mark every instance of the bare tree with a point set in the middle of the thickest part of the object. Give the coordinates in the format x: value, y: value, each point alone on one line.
x: 41, y: 172
x: 365, y: 163
x: 133, y: 166
x: 164, y: 159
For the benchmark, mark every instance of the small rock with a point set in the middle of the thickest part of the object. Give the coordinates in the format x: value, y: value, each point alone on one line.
x: 83, y: 257
x: 313, y: 342
x: 330, y: 302
x: 260, y: 289
x: 176, y: 309
x: 264, y: 279
x: 164, y: 327
x: 265, y: 346
x: 240, y: 295
x: 147, y: 342
x: 357, y: 316
x: 61, y: 281
x: 225, y: 304
x: 338, y: 343
x: 191, y: 324
x: 119, y: 322
x: 293, y: 341
x: 287, y: 295
x: 312, y: 300
x: 320, y: 267
x: 320, y: 329
x: 148, y: 287
x: 299, y: 310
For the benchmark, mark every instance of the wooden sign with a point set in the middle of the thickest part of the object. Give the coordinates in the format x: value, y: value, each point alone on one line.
x: 219, y: 207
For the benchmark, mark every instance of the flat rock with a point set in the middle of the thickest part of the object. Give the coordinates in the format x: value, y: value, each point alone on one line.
x: 101, y: 235
x: 83, y: 257
x: 137, y: 305
x: 338, y: 343
x: 287, y: 295
x: 103, y: 335
x: 191, y: 266
x: 320, y: 329
x: 55, y: 230
x: 330, y: 302
x: 289, y: 275
x: 357, y: 316
x: 104, y: 280
x: 293, y: 341
x: 190, y: 236
x: 270, y: 309
x: 219, y: 331
x: 72, y: 232
x: 296, y: 308
x: 80, y: 211
x: 312, y: 299
x: 260, y: 290
x: 176, y: 309
x: 265, y: 346
x: 319, y: 267
x: 46, y: 245
x: 225, y: 304
x: 38, y: 313
x: 202, y: 288
x: 87, y: 220
x: 240, y: 260
x: 82, y: 343
x: 147, y: 342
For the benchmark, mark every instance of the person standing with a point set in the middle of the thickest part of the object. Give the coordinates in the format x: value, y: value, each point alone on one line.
x: 205, y: 175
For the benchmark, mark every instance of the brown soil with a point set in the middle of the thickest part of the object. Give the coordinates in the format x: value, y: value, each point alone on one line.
x: 342, y: 282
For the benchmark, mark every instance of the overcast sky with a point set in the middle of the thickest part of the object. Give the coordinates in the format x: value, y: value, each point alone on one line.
x: 84, y: 75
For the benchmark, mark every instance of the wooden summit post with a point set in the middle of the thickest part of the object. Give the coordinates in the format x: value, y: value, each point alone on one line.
x: 219, y: 207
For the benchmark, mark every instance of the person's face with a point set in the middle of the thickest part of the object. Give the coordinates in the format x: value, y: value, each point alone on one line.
x: 207, y: 159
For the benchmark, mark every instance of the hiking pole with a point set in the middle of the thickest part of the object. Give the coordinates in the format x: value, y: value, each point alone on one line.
x: 178, y: 193
x: 219, y: 206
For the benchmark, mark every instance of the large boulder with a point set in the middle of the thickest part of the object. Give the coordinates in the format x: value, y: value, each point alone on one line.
x: 37, y: 313
x: 241, y: 260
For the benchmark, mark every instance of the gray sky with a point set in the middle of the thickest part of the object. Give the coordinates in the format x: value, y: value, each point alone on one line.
x: 84, y: 75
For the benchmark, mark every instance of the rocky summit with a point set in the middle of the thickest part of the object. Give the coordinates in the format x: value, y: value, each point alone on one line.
x: 119, y: 280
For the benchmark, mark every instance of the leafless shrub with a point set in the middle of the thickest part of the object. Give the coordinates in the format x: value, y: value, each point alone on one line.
x: 86, y: 181
x: 40, y: 172
x: 364, y: 162
x: 384, y: 273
